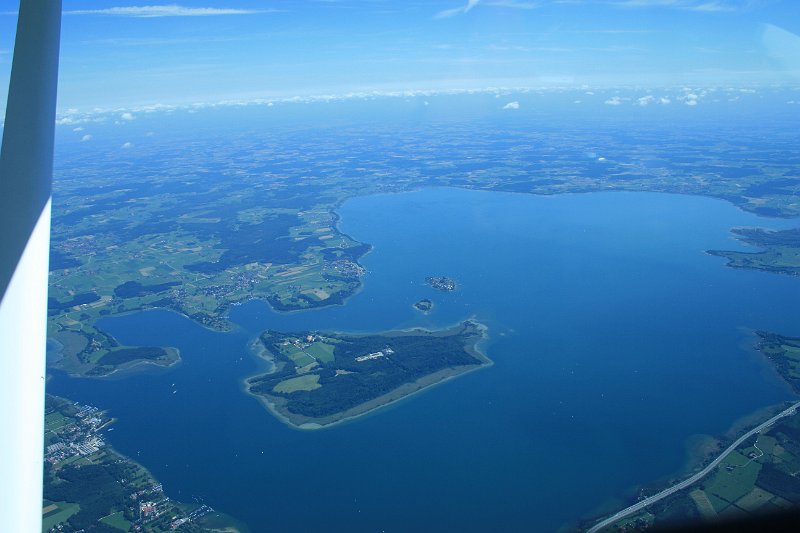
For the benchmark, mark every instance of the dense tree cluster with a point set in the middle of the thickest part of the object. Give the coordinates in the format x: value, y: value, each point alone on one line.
x: 54, y: 306
x: 134, y: 289
x: 126, y: 355
x: 95, y: 487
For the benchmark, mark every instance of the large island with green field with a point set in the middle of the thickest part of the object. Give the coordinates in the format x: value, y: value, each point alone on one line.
x: 320, y: 379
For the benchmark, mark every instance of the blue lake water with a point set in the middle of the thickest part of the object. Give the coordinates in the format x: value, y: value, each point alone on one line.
x: 615, y: 339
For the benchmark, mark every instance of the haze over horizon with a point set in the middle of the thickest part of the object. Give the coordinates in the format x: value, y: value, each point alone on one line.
x: 118, y: 54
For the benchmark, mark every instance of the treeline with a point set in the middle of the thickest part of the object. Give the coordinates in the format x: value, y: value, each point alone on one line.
x: 134, y: 289
x: 266, y: 242
x: 772, y: 345
x: 54, y: 306
x: 762, y: 237
x: 773, y: 479
x: 54, y: 403
x: 294, y: 304
x: 353, y: 253
x: 126, y: 355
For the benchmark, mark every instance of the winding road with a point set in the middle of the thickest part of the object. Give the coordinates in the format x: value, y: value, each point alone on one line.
x: 696, y: 477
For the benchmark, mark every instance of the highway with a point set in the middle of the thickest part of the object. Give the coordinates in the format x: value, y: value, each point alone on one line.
x: 696, y: 477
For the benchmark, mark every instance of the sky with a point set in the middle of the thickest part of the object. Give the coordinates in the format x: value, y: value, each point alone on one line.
x: 120, y: 54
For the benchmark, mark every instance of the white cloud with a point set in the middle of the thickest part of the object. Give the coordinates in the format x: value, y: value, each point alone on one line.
x: 646, y: 100
x: 127, y: 116
x: 69, y: 121
x: 171, y: 10
x: 711, y: 7
x: 511, y: 105
x: 75, y: 118
x: 127, y: 145
x: 513, y: 4
x: 692, y: 97
x: 708, y: 6
x: 447, y: 13
x: 86, y: 137
x: 78, y: 129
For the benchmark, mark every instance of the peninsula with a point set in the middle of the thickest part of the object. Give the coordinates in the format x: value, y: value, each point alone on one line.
x: 319, y: 379
x: 779, y: 254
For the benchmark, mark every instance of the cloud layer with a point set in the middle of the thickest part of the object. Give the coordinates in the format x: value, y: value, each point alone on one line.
x: 171, y: 10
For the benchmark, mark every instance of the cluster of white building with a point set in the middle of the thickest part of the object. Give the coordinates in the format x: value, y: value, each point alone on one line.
x: 375, y: 355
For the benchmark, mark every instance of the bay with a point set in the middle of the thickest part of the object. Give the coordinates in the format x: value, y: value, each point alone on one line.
x: 615, y: 339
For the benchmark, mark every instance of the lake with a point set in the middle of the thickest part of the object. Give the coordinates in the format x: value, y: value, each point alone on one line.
x: 615, y: 339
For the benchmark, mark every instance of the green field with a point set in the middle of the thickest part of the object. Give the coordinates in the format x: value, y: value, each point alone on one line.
x: 321, y: 351
x: 117, y: 520
x: 718, y: 503
x: 730, y: 485
x: 704, y: 505
x: 54, y: 421
x: 300, y: 383
x: 64, y: 511
x: 302, y: 359
x: 755, y: 499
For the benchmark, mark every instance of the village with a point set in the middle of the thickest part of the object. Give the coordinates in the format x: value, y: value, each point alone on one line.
x: 74, y: 449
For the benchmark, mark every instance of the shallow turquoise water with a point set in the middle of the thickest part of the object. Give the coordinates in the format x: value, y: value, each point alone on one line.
x: 615, y: 338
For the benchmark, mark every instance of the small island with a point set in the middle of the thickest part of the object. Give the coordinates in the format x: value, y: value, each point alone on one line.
x: 424, y: 305
x: 79, y: 354
x: 319, y: 379
x: 441, y: 283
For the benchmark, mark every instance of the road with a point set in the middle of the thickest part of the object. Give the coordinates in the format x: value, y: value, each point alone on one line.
x: 695, y: 478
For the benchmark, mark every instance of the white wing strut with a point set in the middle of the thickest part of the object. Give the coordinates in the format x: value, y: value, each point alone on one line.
x: 26, y: 169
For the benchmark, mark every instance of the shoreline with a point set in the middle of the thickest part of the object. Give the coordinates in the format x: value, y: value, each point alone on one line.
x: 696, y: 477
x: 404, y: 391
x: 693, y: 465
